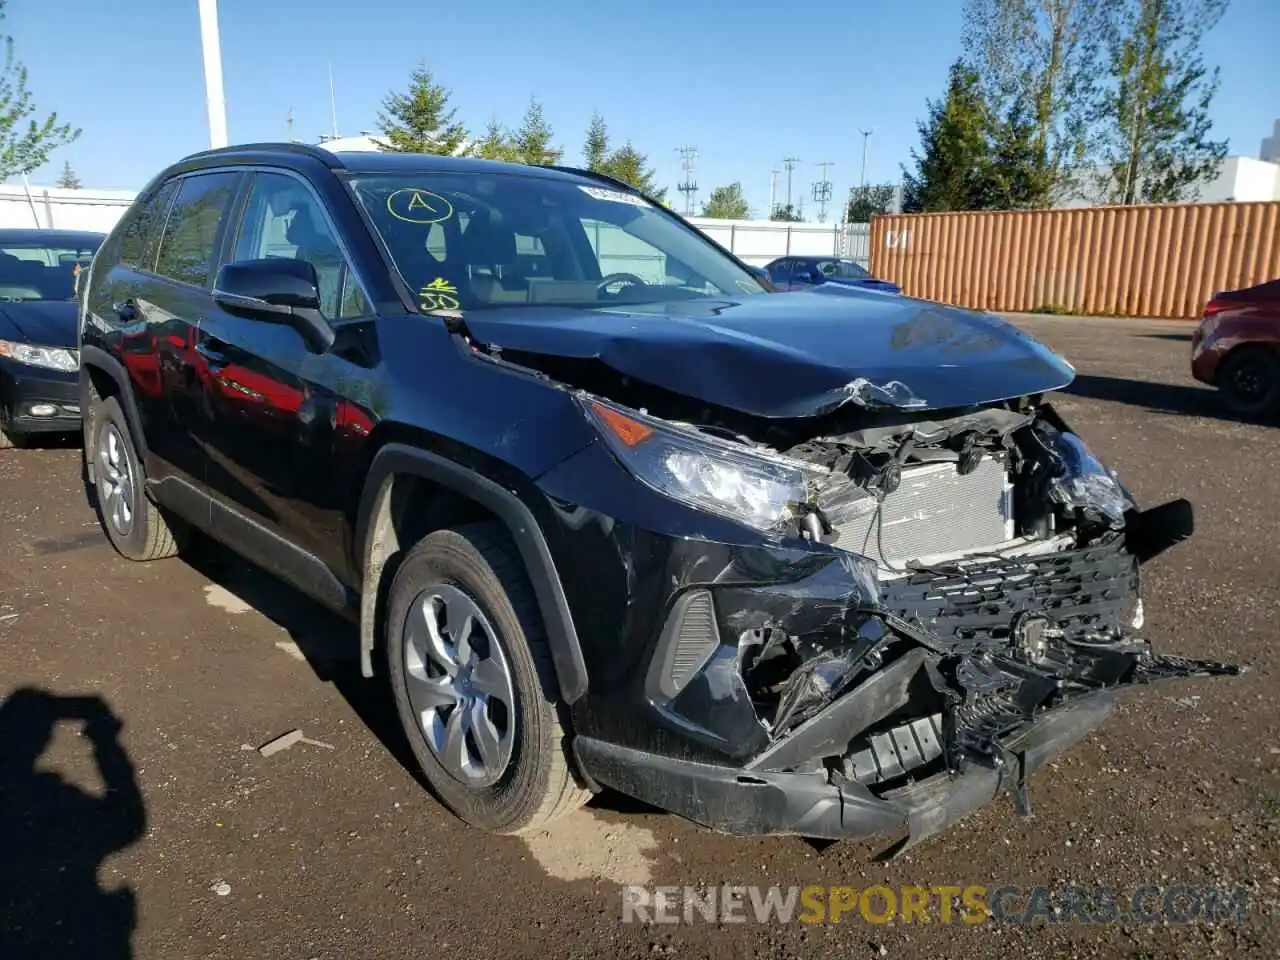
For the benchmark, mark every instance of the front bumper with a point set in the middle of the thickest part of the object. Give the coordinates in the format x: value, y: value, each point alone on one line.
x: 788, y: 690
x: 25, y: 390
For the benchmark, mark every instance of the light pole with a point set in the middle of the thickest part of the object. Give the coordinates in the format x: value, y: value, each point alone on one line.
x: 212, y: 52
x: 865, y: 135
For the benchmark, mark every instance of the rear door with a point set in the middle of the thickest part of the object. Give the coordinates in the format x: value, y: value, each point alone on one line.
x: 172, y: 304
x: 270, y: 405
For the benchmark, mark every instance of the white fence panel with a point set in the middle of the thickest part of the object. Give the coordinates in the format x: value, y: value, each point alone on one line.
x: 61, y: 209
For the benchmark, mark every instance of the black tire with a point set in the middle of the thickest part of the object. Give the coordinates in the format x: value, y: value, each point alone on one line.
x: 13, y: 440
x: 149, y: 535
x: 538, y: 783
x: 1249, y: 380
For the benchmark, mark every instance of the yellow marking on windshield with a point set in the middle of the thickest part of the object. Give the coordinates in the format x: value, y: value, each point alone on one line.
x: 415, y: 205
x: 439, y: 294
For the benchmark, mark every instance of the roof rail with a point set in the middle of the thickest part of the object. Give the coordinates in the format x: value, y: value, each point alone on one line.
x: 327, y: 157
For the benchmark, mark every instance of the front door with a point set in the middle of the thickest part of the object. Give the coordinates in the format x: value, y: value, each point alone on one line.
x: 270, y: 404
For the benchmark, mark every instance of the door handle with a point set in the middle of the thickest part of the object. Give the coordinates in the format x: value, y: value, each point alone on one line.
x: 126, y: 310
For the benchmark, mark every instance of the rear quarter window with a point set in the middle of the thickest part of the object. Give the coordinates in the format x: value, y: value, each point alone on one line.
x: 189, y: 245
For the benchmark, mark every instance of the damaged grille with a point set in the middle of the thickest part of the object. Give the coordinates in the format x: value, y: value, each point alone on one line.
x: 936, y: 512
x: 1082, y: 591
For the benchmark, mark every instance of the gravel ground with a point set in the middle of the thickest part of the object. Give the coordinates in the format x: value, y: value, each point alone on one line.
x: 170, y: 836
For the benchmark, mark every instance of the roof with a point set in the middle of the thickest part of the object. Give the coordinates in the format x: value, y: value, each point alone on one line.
x: 385, y: 162
x: 50, y: 236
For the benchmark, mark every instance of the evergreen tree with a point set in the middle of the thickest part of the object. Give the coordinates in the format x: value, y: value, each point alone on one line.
x: 68, y: 179
x: 532, y: 140
x: 595, y: 152
x: 496, y: 144
x: 421, y: 120
x: 631, y: 166
x: 953, y: 166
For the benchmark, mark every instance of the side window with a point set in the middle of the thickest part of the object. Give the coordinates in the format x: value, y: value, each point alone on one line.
x: 284, y: 219
x: 187, y: 251
x: 780, y: 272
x: 141, y: 236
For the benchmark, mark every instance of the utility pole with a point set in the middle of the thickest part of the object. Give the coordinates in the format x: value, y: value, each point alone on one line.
x: 790, y: 164
x: 822, y: 190
x: 689, y: 186
x: 773, y: 191
x: 288, y: 123
x: 211, y: 50
x: 865, y: 136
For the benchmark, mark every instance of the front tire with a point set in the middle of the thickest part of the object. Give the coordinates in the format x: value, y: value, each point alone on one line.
x: 133, y: 524
x: 1250, y: 382
x: 473, y: 682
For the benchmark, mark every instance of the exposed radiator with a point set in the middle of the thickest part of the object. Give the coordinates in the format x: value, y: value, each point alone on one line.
x: 936, y: 512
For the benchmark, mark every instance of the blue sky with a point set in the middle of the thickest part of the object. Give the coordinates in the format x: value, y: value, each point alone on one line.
x: 747, y: 82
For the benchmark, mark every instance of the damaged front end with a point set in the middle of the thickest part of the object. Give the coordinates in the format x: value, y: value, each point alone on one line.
x: 963, y: 604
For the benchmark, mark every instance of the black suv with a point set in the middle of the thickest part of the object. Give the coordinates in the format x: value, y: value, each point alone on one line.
x: 607, y: 510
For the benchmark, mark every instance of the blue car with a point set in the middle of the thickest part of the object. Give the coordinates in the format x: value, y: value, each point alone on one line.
x: 801, y: 273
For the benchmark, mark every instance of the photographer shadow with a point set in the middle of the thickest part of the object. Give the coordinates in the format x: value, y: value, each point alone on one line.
x: 54, y: 835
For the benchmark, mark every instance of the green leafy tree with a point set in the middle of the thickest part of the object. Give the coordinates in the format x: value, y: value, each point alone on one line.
x: 25, y: 140
x: 595, y: 151
x: 68, y: 179
x: 1040, y: 60
x: 421, y: 120
x: 869, y: 201
x: 497, y: 144
x: 533, y: 138
x: 727, y: 203
x: 953, y: 166
x: 1155, y: 120
x: 786, y: 212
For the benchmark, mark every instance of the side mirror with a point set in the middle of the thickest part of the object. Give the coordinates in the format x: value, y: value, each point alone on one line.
x: 277, y: 291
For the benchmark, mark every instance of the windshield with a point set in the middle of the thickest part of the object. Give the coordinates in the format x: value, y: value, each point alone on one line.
x: 39, y: 271
x: 475, y: 241
x: 845, y: 269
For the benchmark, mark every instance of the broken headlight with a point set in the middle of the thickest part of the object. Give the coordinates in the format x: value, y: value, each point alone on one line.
x: 1085, y: 482
x: 706, y: 472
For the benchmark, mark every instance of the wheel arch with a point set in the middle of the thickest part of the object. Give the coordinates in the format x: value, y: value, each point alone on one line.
x: 102, y: 376
x: 377, y: 539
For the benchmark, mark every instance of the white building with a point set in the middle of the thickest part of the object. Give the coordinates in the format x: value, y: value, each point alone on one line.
x: 1241, y: 179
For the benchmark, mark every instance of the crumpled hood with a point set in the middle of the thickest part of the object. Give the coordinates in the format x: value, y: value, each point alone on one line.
x: 46, y: 323
x: 794, y: 354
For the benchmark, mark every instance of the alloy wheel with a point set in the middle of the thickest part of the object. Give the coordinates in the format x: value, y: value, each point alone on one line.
x: 459, y: 684
x: 115, y: 479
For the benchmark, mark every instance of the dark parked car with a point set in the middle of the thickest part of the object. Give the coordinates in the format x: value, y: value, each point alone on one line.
x: 38, y: 364
x: 802, y: 273
x: 1236, y: 348
x: 609, y: 522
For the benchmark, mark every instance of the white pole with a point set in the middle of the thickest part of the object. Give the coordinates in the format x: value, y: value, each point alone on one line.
x: 212, y: 51
x: 333, y: 103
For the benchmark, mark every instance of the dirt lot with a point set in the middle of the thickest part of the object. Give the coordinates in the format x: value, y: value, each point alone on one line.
x: 336, y: 852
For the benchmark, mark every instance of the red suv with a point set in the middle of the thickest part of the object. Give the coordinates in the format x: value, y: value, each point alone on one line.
x: 1236, y: 348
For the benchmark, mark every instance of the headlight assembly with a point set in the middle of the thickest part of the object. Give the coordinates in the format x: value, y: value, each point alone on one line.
x: 1086, y: 481
x: 51, y: 358
x: 711, y: 474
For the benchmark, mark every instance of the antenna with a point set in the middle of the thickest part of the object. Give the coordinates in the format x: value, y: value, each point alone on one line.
x: 790, y: 164
x: 333, y: 102
x: 689, y: 186
x: 822, y: 190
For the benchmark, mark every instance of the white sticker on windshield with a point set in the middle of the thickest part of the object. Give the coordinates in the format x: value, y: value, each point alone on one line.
x: 614, y: 196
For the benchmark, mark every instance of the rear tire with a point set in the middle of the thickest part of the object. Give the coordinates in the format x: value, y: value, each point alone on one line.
x: 509, y: 770
x: 1249, y: 381
x: 134, y: 525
